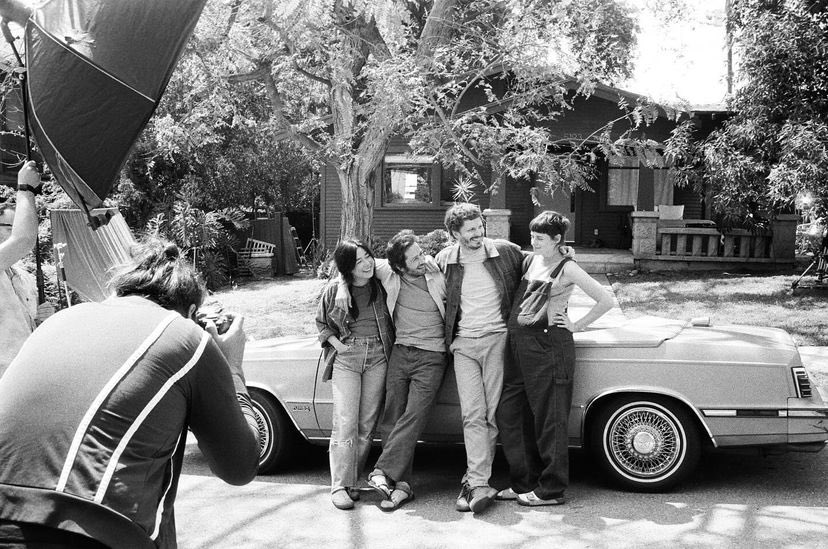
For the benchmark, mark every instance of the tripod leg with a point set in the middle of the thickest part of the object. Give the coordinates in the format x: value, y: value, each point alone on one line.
x: 795, y: 283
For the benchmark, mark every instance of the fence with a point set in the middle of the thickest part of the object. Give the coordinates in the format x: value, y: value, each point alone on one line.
x: 655, y: 247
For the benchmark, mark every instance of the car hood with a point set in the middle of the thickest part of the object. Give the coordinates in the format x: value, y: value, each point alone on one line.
x: 682, y: 340
x: 638, y: 339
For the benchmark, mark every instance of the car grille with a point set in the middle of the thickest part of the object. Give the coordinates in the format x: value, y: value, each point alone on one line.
x: 802, y: 382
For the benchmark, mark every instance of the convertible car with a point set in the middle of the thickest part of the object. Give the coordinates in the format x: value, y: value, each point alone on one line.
x: 649, y: 396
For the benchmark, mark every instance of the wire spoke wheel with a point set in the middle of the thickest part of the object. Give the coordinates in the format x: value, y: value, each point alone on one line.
x: 646, y: 444
x: 277, y: 438
x: 265, y: 432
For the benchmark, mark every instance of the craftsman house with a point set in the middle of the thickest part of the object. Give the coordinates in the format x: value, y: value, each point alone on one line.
x: 599, y: 218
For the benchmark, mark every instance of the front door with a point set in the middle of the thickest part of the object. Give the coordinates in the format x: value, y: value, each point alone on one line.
x: 561, y: 201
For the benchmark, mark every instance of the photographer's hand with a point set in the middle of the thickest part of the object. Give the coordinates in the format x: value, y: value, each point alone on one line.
x: 231, y: 343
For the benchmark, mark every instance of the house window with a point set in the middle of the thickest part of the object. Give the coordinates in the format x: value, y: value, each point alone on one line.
x: 622, y: 181
x: 411, y: 181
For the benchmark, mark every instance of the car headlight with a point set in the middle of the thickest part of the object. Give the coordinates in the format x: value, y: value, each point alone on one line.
x: 802, y: 382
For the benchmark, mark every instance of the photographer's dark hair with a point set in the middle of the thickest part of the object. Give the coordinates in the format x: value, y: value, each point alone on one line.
x: 345, y: 257
x: 459, y: 214
x: 158, y: 273
x: 397, y: 247
x: 550, y: 223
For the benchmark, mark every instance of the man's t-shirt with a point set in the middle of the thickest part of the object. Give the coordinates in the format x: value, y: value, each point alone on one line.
x: 479, y: 298
x: 417, y: 319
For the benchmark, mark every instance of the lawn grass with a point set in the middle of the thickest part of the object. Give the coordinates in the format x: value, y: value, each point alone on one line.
x: 286, y: 305
x: 279, y: 306
x: 752, y: 299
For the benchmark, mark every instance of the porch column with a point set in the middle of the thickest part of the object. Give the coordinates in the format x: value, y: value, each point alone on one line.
x: 496, y: 215
x: 644, y: 228
x: 783, y: 245
x: 497, y: 222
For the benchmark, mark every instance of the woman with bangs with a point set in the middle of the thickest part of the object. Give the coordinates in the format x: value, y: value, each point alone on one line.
x: 357, y: 343
x: 533, y: 412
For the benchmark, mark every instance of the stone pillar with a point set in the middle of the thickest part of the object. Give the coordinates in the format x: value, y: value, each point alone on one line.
x: 644, y: 228
x: 497, y: 222
x: 783, y: 246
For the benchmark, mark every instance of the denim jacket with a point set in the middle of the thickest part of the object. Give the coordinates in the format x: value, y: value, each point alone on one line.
x: 503, y: 262
x: 333, y: 320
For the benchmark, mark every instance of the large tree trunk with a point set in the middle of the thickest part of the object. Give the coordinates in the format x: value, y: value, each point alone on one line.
x: 357, y: 218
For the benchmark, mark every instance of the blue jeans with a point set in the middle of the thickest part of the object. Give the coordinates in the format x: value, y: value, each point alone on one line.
x: 358, y: 383
x: 478, y: 366
x: 414, y: 377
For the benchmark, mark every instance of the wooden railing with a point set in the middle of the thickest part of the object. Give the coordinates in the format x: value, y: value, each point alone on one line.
x: 712, y: 245
x: 659, y: 244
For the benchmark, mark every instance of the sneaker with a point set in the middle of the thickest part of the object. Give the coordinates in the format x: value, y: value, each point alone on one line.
x: 480, y: 498
x: 531, y: 500
x: 507, y: 494
x: 342, y: 500
x: 462, y: 503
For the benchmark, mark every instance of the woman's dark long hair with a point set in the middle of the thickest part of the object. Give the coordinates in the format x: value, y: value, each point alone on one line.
x: 345, y: 257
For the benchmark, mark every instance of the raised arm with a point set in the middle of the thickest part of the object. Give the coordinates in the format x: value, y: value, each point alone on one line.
x: 24, y: 229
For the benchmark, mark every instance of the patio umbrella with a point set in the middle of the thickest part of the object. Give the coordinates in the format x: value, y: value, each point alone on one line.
x: 96, y: 72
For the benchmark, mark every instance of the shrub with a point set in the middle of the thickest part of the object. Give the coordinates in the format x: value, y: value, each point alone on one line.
x: 435, y: 241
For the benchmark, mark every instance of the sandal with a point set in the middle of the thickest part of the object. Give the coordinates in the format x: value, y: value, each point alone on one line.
x: 529, y: 499
x: 507, y: 494
x: 379, y: 483
x: 401, y: 494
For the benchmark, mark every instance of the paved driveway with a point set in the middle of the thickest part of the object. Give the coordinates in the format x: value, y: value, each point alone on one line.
x: 742, y: 501
x: 733, y: 501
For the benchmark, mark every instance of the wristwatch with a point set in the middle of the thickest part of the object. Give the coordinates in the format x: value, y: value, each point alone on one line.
x: 24, y: 187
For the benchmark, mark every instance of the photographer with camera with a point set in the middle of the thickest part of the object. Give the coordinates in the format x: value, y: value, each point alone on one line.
x: 94, y: 411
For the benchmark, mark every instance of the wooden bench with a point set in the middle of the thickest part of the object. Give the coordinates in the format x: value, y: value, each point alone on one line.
x: 257, y: 256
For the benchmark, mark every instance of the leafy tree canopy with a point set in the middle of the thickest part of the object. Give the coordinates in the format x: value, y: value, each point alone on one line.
x: 774, y: 149
x: 340, y: 78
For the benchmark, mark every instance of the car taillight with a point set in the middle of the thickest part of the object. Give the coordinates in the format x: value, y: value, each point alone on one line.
x: 802, y: 382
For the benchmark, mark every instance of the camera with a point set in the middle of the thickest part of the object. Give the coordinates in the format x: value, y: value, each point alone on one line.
x: 215, y: 313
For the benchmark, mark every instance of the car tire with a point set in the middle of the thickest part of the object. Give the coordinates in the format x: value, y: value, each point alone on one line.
x: 277, y: 437
x: 645, y: 443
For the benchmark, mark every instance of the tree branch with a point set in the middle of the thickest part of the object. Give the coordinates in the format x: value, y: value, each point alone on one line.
x: 437, y: 30
x: 234, y: 13
x: 454, y: 137
x: 292, y: 49
x: 263, y: 74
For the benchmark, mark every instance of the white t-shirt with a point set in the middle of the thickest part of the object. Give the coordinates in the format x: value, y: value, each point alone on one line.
x: 479, y: 298
x: 18, y: 308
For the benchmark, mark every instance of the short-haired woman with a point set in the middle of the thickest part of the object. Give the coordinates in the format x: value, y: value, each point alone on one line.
x: 533, y: 412
x: 357, y: 343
